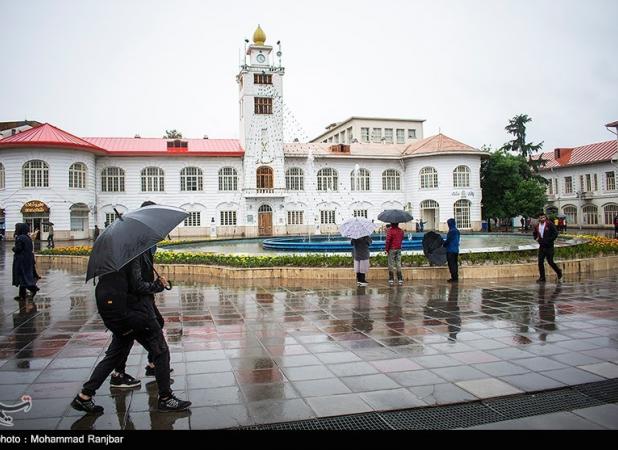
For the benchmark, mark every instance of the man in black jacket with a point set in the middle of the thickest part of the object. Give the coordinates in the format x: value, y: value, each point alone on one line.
x: 545, y: 234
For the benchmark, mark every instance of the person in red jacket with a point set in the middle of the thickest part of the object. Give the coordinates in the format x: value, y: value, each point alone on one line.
x: 394, y: 237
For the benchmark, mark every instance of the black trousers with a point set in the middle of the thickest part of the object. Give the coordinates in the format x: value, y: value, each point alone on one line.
x: 549, y: 254
x: 451, y: 259
x: 118, y: 351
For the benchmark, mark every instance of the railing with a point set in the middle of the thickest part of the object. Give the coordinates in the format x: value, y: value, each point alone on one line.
x: 264, y: 192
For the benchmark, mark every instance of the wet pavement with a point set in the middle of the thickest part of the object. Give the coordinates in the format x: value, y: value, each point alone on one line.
x: 273, y: 351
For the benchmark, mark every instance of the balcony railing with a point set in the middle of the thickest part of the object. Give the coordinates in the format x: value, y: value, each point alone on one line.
x: 265, y: 192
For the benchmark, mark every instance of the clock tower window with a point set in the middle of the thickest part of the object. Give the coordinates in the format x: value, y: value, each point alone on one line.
x: 263, y: 105
x: 260, y: 78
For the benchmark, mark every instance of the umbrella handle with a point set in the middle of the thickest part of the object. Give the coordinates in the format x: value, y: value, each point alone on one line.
x: 169, y: 286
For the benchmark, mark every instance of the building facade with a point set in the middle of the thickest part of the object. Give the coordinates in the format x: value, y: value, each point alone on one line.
x: 255, y: 186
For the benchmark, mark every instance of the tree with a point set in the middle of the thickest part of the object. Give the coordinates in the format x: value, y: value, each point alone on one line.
x: 517, y: 127
x: 509, y: 188
x: 172, y: 134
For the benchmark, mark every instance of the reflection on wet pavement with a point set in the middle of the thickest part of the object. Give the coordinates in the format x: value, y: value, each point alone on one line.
x: 278, y: 350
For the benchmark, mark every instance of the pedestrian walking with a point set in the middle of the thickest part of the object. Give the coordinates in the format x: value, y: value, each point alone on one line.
x: 50, y: 236
x: 96, y: 232
x: 545, y: 234
x: 394, y: 238
x: 23, y: 262
x: 360, y: 253
x: 452, y: 250
x: 522, y: 221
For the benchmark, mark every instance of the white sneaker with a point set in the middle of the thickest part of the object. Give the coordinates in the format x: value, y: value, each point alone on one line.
x: 363, y: 283
x: 390, y: 282
x: 400, y: 282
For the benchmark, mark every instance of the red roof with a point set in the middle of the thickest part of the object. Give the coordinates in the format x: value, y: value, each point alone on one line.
x: 439, y: 143
x: 586, y: 154
x: 47, y: 135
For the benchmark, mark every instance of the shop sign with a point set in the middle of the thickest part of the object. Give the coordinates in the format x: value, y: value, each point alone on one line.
x: 34, y: 206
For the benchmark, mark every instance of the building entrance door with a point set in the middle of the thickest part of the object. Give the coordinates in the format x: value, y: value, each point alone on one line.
x: 429, y: 214
x: 265, y: 221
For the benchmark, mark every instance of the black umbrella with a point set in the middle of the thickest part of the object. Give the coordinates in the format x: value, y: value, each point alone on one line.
x: 130, y: 235
x: 395, y: 216
x: 433, y: 248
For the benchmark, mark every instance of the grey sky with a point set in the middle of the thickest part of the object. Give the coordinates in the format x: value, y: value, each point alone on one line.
x: 116, y: 68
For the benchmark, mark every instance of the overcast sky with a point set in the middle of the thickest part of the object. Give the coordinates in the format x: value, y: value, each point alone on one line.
x: 117, y: 68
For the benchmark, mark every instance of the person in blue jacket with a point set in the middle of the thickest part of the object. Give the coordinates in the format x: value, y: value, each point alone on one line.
x: 452, y: 250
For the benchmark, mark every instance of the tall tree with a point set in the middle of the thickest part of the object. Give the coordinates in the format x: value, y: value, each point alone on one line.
x: 172, y: 134
x: 517, y: 127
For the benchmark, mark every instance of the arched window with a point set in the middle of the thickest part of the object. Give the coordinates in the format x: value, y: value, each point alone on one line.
x: 112, y: 179
x: 1, y: 176
x: 327, y: 180
x: 461, y: 177
x: 391, y: 180
x: 77, y: 176
x: 462, y: 213
x: 191, y: 179
x: 79, y: 217
x: 610, y: 211
x: 429, y: 178
x: 153, y: 179
x: 590, y: 215
x: 264, y: 178
x: 359, y: 180
x: 36, y: 174
x: 570, y: 212
x: 429, y: 204
x: 295, y: 179
x: 228, y: 179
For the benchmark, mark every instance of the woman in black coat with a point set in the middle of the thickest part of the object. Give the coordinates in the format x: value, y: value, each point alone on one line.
x: 23, y: 261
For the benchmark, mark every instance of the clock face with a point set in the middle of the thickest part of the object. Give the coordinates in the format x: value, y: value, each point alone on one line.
x: 260, y: 58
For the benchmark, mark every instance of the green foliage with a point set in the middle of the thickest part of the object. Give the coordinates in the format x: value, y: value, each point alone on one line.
x: 172, y: 134
x: 517, y: 127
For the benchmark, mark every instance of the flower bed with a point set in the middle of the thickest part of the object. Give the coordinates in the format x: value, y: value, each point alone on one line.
x: 593, y: 247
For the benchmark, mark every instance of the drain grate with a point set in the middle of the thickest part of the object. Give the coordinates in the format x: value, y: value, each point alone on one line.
x: 540, y: 403
x: 442, y: 418
x: 340, y: 423
x: 604, y: 391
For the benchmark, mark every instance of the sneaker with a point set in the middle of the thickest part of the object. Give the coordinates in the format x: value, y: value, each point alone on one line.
x: 363, y: 283
x: 560, y: 276
x: 541, y: 280
x: 124, y: 381
x: 390, y: 282
x: 150, y: 371
x: 173, y: 404
x: 88, y: 406
x: 400, y: 282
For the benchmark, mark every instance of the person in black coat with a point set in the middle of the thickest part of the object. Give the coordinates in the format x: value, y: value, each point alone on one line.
x: 545, y: 234
x: 23, y: 262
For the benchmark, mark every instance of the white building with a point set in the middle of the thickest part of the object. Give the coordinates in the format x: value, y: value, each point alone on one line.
x: 582, y: 183
x: 255, y: 186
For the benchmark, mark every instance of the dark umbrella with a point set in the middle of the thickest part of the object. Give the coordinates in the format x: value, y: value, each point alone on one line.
x: 395, y: 216
x: 433, y: 248
x: 130, y: 235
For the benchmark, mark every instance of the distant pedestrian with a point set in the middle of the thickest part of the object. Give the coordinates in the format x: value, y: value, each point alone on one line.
x: 394, y: 238
x: 616, y: 226
x: 50, y: 236
x: 522, y: 221
x: 422, y: 225
x: 545, y: 234
x: 23, y: 262
x: 452, y: 250
x: 360, y: 253
x: 96, y: 232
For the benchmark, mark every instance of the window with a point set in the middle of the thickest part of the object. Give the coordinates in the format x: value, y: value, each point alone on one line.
x: 550, y: 187
x: 294, y: 179
x: 556, y: 191
x: 568, y: 185
x: 177, y: 143
x: 596, y: 182
x: 264, y: 178
x: 376, y: 135
x: 228, y: 179
x: 36, y: 174
x: 570, y: 212
x: 191, y: 179
x: 401, y: 136
x: 462, y: 214
x: 327, y: 180
x: 610, y: 181
x: 365, y: 135
x: 429, y: 204
x: 112, y: 179
x: 77, y: 176
x: 360, y: 213
x: 109, y: 218
x: 327, y: 216
x: 153, y: 179
x: 296, y: 217
x: 391, y: 180
x: 461, y: 176
x: 79, y: 217
x: 581, y: 183
x: 588, y: 183
x: 429, y: 178
x: 194, y: 219
x: 590, y: 215
x: 350, y: 135
x: 262, y: 78
x: 263, y: 105
x: 610, y: 211
x: 228, y: 218
x: 411, y: 134
x: 336, y: 139
x: 359, y: 180
x: 388, y: 135
x: 1, y: 176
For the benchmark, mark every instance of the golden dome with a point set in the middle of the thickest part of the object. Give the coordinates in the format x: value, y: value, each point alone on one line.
x: 259, y: 37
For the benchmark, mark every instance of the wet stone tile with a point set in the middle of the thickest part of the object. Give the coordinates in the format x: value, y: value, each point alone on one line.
x: 307, y: 373
x: 572, y: 376
x: 221, y: 365
x: 216, y: 396
x: 217, y: 417
x: 531, y: 382
x: 441, y: 394
x: 338, y: 405
x: 369, y: 383
x: 156, y: 420
x: 323, y: 387
x: 501, y: 368
x: 459, y: 373
x: 269, y: 411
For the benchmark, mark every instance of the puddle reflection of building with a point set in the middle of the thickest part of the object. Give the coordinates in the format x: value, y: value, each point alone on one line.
x: 361, y: 319
x: 442, y: 311
x: 25, y: 331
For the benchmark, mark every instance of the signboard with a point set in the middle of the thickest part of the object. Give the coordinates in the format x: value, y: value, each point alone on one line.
x: 34, y: 206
